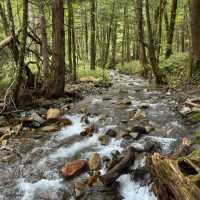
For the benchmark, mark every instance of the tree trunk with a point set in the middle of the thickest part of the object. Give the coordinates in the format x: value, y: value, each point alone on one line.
x: 21, y: 66
x: 195, y: 71
x: 69, y: 7
x: 45, y: 53
x: 93, y: 35
x: 170, y: 34
x: 140, y: 22
x: 152, y: 49
x: 58, y: 57
x: 175, y: 179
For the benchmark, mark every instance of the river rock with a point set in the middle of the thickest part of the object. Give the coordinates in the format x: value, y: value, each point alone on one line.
x: 53, y: 113
x: 37, y: 118
x: 139, y: 129
x: 104, y: 139
x: 50, y: 128
x: 74, y: 168
x: 95, y: 162
x: 134, y: 135
x: 111, y: 133
x: 89, y: 130
x: 80, y: 187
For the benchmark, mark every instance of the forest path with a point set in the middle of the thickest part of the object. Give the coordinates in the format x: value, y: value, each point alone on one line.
x: 129, y: 103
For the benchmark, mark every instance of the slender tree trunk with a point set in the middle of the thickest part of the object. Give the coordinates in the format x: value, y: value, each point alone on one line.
x: 58, y: 57
x: 45, y: 53
x: 69, y: 7
x: 140, y: 21
x: 73, y: 46
x: 93, y: 35
x: 170, y: 35
x: 114, y: 46
x: 152, y: 48
x: 195, y: 26
x: 21, y: 66
x: 86, y: 34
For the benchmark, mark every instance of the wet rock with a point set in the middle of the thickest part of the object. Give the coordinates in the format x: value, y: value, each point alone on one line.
x: 74, y: 168
x: 125, y: 135
x: 185, y: 110
x: 89, y: 130
x: 53, y: 113
x: 100, y: 193
x: 52, y: 194
x: 104, y: 139
x: 95, y: 162
x: 80, y: 188
x: 140, y: 130
x: 134, y: 135
x: 144, y: 106
x: 64, y: 122
x: 50, y: 128
x: 107, y: 98
x: 111, y: 133
x: 37, y: 118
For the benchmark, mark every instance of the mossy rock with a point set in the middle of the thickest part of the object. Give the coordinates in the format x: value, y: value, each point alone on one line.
x: 194, y: 117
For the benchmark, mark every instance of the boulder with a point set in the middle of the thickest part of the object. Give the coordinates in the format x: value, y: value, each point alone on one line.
x: 74, y: 168
x: 53, y: 113
x: 95, y: 162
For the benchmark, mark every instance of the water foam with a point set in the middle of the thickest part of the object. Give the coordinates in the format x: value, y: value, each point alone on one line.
x: 131, y: 190
x: 29, y: 189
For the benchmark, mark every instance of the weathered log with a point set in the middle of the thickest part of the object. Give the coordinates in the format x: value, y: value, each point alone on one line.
x: 119, y: 168
x: 175, y: 179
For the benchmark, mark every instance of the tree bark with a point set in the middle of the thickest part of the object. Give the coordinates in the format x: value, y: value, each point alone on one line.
x: 140, y: 22
x: 45, y: 53
x: 58, y: 57
x: 93, y: 35
x: 195, y: 26
x: 170, y: 34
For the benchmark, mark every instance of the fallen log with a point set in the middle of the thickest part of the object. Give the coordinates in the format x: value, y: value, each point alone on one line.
x: 176, y: 179
x: 114, y: 173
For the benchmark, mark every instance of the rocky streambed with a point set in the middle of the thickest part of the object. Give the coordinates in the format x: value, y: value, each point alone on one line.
x: 132, y: 113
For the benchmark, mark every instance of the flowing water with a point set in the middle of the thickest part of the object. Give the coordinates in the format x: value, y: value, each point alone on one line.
x: 33, y: 173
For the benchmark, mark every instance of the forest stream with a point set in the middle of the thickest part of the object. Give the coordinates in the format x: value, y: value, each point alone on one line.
x: 34, y: 171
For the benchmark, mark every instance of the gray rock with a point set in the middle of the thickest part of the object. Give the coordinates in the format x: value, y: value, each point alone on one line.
x: 134, y: 135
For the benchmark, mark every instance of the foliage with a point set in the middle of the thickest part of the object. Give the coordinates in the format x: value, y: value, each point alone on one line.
x: 175, y: 68
x: 130, y: 68
x: 97, y: 73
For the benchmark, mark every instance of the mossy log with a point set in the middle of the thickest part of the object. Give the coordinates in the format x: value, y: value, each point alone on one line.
x: 176, y: 178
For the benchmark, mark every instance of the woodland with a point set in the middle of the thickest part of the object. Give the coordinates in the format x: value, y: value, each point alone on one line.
x: 99, y: 99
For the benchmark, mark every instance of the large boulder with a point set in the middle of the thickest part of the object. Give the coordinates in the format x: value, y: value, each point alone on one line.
x: 74, y: 168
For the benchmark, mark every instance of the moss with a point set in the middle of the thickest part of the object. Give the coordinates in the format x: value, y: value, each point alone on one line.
x: 194, y: 117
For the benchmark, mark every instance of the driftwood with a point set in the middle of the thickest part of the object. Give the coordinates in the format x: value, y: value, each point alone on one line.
x: 119, y: 168
x: 176, y: 177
